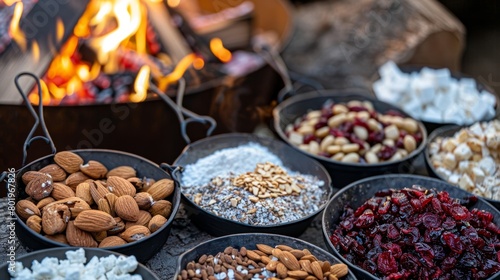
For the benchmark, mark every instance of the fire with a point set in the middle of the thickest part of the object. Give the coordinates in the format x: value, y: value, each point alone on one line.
x: 173, y: 3
x: 9, y: 2
x: 141, y: 85
x: 35, y: 51
x: 59, y: 29
x: 219, y: 51
x: 178, y: 72
x: 15, y: 32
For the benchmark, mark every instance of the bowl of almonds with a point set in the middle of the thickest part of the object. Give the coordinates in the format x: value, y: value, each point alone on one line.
x: 259, y: 256
x: 354, y: 136
x: 467, y: 157
x: 96, y: 198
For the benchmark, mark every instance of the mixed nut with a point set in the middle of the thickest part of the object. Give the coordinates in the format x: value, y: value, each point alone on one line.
x: 87, y: 205
x: 354, y: 132
x: 265, y: 262
x: 470, y: 158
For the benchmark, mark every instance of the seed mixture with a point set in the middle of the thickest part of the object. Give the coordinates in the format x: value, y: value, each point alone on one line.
x: 267, y: 194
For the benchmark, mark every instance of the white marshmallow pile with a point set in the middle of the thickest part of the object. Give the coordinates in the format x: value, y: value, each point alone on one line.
x: 434, y: 96
x: 74, y: 268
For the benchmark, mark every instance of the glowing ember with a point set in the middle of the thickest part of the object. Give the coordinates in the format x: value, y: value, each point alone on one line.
x: 14, y: 31
x: 219, y: 51
x: 141, y: 85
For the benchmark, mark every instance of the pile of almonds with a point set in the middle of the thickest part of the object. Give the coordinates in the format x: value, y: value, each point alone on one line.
x: 266, y: 262
x: 85, y: 205
x: 354, y: 132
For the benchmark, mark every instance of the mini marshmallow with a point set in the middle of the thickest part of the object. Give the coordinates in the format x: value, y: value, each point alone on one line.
x: 432, y: 114
x: 466, y: 183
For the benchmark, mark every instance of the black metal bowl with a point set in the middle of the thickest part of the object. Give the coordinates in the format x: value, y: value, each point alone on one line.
x: 142, y: 249
x: 446, y: 131
x: 291, y: 158
x: 249, y: 240
x: 358, y: 192
x: 342, y: 173
x: 59, y: 253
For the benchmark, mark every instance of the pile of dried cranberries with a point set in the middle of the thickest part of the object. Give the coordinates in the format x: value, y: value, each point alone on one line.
x: 415, y: 233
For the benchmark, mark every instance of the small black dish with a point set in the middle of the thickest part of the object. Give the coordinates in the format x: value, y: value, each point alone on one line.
x: 358, y: 192
x: 60, y: 253
x: 291, y: 158
x: 446, y: 131
x: 342, y: 173
x: 249, y: 240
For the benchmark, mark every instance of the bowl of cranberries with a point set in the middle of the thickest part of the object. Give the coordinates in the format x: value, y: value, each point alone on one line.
x: 413, y: 227
x: 354, y: 136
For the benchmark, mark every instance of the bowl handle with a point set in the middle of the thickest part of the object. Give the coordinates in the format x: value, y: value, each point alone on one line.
x: 181, y: 111
x: 39, y: 121
x: 173, y: 171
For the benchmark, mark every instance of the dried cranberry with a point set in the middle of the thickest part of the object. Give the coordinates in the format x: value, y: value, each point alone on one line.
x: 394, y: 248
x: 413, y: 232
x: 417, y: 136
x: 321, y: 123
x: 399, y: 198
x: 448, y: 263
x: 361, y: 122
x: 431, y: 220
x: 384, y: 207
x: 375, y: 137
x: 400, y: 143
x: 326, y: 112
x: 393, y: 232
x: 436, y: 205
x: 409, y: 262
x: 416, y: 204
x: 347, y: 127
x: 387, y: 152
x: 366, y: 219
x: 336, y: 132
x: 424, y: 250
x: 357, y: 108
x: 308, y: 138
x: 394, y: 113
x: 386, y: 263
x: 453, y: 242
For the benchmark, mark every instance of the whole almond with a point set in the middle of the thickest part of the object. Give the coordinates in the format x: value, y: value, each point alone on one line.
x: 30, y: 175
x: 94, y: 169
x: 26, y: 209
x: 111, y: 241
x: 54, y: 170
x: 83, y: 192
x: 40, y: 186
x: 284, y: 247
x: 120, y: 186
x: 297, y: 274
x: 306, y: 265
x: 35, y: 223
x: 325, y: 266
x: 111, y: 198
x: 281, y: 271
x: 61, y: 238
x: 161, y: 189
x: 78, y: 237
x: 126, y: 208
x: 144, y: 200
x: 124, y: 172
x: 317, y: 270
x: 161, y: 207
x: 61, y: 191
x: 75, y: 179
x: 143, y: 219
x: 119, y: 227
x: 55, y: 218
x: 332, y: 277
x: 98, y: 190
x: 103, y: 205
x: 289, y: 260
x: 339, y: 270
x: 253, y: 256
x: 271, y: 265
x: 44, y: 202
x: 99, y: 236
x: 265, y: 248
x: 156, y: 223
x: 94, y: 221
x: 69, y: 161
x: 297, y: 253
x: 135, y: 233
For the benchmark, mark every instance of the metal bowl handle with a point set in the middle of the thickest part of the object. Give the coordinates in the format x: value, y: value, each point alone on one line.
x: 39, y: 121
x: 173, y: 171
x: 181, y: 111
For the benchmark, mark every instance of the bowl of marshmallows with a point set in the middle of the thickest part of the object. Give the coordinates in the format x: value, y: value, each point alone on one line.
x: 437, y: 97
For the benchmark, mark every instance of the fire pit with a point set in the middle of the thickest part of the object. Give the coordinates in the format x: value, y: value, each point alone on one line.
x: 108, y: 106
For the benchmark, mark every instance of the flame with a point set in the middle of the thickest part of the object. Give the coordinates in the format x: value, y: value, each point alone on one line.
x: 35, y: 50
x: 9, y: 2
x: 173, y: 3
x: 141, y: 85
x: 35, y: 99
x: 59, y: 30
x: 178, y: 72
x: 15, y: 32
x: 198, y: 63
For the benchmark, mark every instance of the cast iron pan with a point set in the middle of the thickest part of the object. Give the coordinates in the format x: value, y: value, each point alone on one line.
x: 59, y: 253
x: 249, y: 240
x: 342, y: 173
x: 143, y: 249
x: 446, y: 131
x: 358, y: 192
x: 291, y: 158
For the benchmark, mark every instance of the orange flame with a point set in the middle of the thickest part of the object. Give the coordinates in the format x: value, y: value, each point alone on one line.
x: 178, y: 72
x: 219, y: 51
x: 35, y: 51
x: 9, y: 2
x: 59, y: 30
x: 35, y: 99
x: 141, y: 85
x: 173, y: 3
x: 15, y: 32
